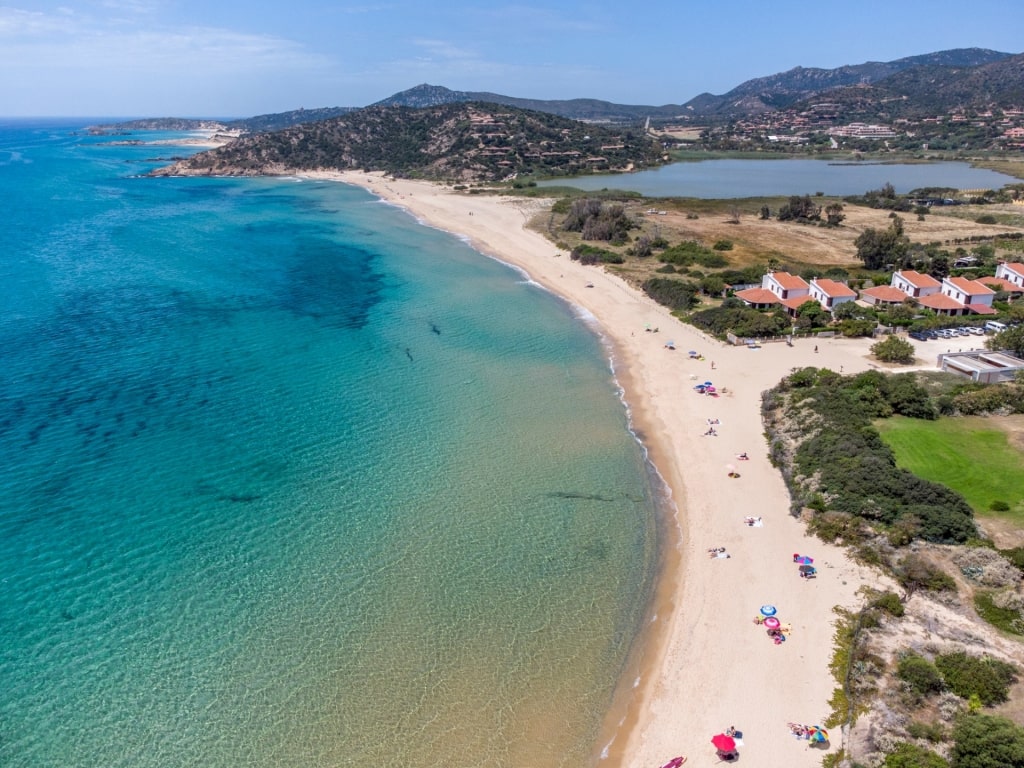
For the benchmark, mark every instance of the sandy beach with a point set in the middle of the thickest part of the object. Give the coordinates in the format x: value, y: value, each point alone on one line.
x: 707, y: 665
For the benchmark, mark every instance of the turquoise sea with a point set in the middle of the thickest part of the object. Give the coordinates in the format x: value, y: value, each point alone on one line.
x: 290, y: 479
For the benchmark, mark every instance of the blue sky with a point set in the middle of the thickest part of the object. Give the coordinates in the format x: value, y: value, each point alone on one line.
x: 229, y: 58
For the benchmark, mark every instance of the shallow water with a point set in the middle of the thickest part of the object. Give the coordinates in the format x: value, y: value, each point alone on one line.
x: 292, y: 480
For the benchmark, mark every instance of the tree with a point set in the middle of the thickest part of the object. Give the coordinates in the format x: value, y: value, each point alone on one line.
x: 811, y: 315
x: 893, y: 350
x: 877, y: 249
x: 983, y: 741
x: 766, y: 212
x: 1011, y: 339
x: 834, y: 214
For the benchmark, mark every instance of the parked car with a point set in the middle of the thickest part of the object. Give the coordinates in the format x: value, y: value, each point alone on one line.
x: 919, y: 335
x: 976, y: 331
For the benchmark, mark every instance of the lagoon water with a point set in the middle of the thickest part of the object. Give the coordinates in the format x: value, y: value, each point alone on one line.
x: 291, y: 480
x: 765, y: 178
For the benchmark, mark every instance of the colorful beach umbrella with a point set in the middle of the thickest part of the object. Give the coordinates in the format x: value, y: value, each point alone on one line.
x: 767, y: 610
x: 803, y: 560
x: 808, y: 569
x: 724, y: 742
x: 817, y: 735
x: 675, y: 762
x: 772, y: 623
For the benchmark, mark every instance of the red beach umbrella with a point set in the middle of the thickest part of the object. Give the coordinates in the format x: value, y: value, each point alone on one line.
x: 723, y: 742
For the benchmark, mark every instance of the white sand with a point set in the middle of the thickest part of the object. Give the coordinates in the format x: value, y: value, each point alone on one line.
x: 709, y: 666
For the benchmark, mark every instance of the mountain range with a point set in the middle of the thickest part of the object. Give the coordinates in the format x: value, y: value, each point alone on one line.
x: 972, y: 78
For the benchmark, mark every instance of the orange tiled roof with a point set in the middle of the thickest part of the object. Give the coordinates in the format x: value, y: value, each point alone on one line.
x: 939, y: 301
x: 1001, y: 284
x: 834, y: 289
x: 797, y: 301
x: 970, y: 287
x: 982, y: 309
x: 757, y: 296
x: 885, y: 293
x: 1015, y: 266
x: 918, y: 280
x: 788, y: 281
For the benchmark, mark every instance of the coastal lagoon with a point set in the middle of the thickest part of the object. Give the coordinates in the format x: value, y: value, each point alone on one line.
x: 292, y: 480
x: 766, y: 178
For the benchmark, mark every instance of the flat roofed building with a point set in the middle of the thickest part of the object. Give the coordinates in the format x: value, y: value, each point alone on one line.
x: 982, y: 366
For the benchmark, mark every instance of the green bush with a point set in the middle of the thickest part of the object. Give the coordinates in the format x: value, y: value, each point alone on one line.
x: 722, y: 245
x: 674, y: 294
x: 987, y: 219
x: 921, y: 675
x: 933, y: 732
x: 1005, y: 618
x: 999, y: 506
x: 983, y: 741
x: 915, y: 573
x: 985, y: 677
x: 909, y: 755
x: 893, y: 350
x: 890, y: 603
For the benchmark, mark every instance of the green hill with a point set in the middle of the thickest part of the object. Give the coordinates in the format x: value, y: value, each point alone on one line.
x: 467, y: 141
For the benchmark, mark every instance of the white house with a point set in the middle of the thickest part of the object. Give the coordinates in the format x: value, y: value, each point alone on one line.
x: 915, y: 284
x: 830, y: 293
x: 785, y: 285
x: 975, y: 296
x: 1012, y: 272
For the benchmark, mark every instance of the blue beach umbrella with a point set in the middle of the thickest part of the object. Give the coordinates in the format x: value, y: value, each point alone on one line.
x: 767, y: 610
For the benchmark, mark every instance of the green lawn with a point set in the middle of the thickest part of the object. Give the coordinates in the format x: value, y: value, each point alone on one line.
x: 971, y: 455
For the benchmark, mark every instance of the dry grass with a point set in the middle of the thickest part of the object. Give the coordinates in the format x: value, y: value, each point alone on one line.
x: 798, y: 246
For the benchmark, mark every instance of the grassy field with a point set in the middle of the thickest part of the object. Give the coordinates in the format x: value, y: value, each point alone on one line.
x: 981, y: 458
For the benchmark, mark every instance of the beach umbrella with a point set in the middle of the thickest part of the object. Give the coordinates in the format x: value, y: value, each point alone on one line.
x: 772, y: 623
x: 803, y: 560
x: 817, y: 735
x: 723, y: 742
x: 808, y: 569
x: 707, y: 383
x: 675, y: 762
x: 768, y: 610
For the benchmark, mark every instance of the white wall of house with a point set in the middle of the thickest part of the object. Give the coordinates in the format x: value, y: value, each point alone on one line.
x: 902, y: 283
x: 1007, y: 272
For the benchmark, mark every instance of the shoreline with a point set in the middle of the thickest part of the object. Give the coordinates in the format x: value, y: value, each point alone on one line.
x: 701, y: 665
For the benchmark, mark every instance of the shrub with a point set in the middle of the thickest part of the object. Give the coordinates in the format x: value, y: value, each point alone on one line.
x: 909, y: 755
x: 674, y: 294
x: 722, y: 245
x: 933, y: 732
x: 983, y: 741
x: 916, y: 573
x: 999, y: 506
x: 986, y: 219
x: 1001, y: 610
x: 921, y: 675
x: 893, y: 350
x: 890, y: 603
x: 985, y: 677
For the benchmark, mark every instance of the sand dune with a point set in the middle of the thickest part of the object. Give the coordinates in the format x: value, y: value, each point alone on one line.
x: 707, y: 665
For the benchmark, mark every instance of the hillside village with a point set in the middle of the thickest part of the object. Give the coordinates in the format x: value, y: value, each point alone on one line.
x: 826, y: 125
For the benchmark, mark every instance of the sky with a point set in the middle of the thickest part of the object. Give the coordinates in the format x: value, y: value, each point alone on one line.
x: 227, y: 58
